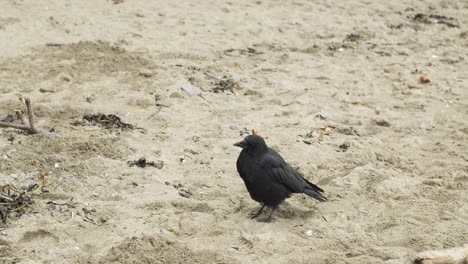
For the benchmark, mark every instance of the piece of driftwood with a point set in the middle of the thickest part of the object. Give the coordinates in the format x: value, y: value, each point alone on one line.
x: 26, y: 124
x: 447, y: 256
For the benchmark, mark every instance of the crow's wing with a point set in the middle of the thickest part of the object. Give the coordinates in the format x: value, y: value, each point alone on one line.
x: 281, y: 172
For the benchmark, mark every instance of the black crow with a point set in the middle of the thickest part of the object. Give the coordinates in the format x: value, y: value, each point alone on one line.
x: 268, y: 177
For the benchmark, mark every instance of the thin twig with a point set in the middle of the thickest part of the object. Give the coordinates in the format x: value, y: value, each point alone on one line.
x: 27, y: 101
x: 28, y: 126
x: 20, y: 116
x: 6, y: 198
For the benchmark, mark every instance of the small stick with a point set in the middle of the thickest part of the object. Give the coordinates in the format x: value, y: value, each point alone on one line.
x: 6, y: 198
x: 20, y: 116
x: 28, y: 126
x: 27, y: 101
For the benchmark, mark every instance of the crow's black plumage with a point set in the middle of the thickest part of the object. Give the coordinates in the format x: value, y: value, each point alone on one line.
x: 268, y: 177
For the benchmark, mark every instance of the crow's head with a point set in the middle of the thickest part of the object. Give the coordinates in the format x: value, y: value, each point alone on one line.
x: 252, y: 144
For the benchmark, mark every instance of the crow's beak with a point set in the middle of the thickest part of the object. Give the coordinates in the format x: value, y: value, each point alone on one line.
x: 241, y: 144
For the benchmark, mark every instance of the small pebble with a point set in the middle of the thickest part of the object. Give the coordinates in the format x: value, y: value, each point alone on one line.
x: 424, y: 126
x: 309, y: 233
x: 190, y: 89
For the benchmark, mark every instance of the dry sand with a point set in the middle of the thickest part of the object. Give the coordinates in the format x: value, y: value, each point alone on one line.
x: 398, y: 187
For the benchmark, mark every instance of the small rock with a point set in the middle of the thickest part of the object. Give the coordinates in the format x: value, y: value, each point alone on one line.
x: 424, y: 126
x: 65, y: 78
x: 175, y: 95
x: 424, y: 79
x: 382, y: 122
x: 345, y: 146
x: 190, y: 89
x: 320, y: 116
x: 145, y: 73
x: 42, y: 90
x: 64, y: 208
x: 4, y: 233
x: 89, y: 210
x: 309, y: 233
x: 9, y: 155
x: 186, y: 193
x: 308, y: 142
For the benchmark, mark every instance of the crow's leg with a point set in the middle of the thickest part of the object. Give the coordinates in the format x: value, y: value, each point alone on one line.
x: 268, y: 219
x: 259, y: 212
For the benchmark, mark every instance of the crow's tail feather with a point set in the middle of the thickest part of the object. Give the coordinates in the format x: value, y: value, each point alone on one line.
x: 315, y: 193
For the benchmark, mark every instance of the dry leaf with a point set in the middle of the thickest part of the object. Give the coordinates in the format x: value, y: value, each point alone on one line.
x: 424, y: 79
x: 320, y: 138
x: 255, y: 132
x: 42, y: 175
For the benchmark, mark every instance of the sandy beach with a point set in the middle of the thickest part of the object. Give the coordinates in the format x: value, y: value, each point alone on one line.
x: 368, y: 99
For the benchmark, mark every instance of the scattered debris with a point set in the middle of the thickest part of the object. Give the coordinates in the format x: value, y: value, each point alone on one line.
x: 247, y: 51
x: 424, y: 79
x: 320, y: 138
x: 353, y: 37
x: 43, y: 90
x: 307, y: 137
x: 227, y: 84
x: 435, y: 19
x: 382, y: 123
x: 89, y: 210
x: 8, y: 119
x: 350, y: 131
x: 321, y: 117
x: 344, y: 147
x: 244, y: 131
x: 309, y: 134
x: 145, y: 73
x: 186, y: 193
x: 183, y: 191
x: 142, y: 163
x: 27, y: 125
x: 326, y: 129
x: 61, y: 207
x: 107, y: 121
x: 173, y: 231
x: 13, y: 200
